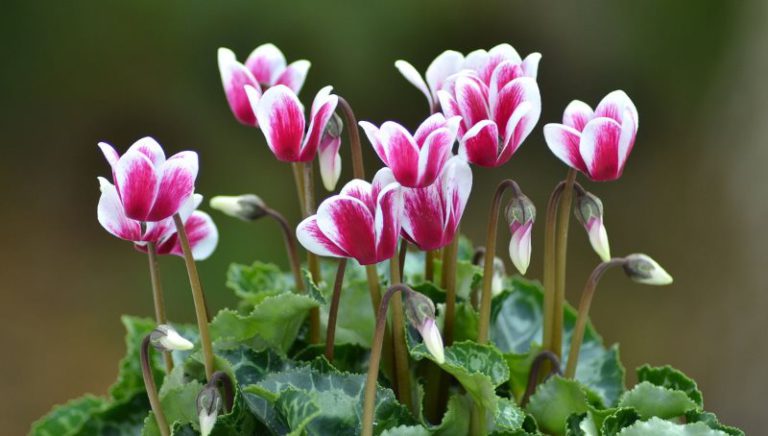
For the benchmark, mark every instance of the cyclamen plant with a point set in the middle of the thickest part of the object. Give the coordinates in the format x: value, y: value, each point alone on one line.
x: 463, y: 348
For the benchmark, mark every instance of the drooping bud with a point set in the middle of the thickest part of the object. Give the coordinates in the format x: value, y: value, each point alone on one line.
x: 499, y: 271
x: 589, y: 212
x: 208, y: 404
x: 166, y: 338
x: 642, y: 269
x: 420, y: 311
x: 328, y: 153
x: 520, y: 213
x: 247, y: 207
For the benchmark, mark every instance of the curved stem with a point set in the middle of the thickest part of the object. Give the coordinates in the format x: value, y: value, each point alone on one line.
x: 561, y: 251
x: 402, y: 370
x: 290, y: 245
x: 549, y: 264
x: 227, y: 386
x: 584, y: 305
x: 358, y: 170
x: 151, y: 387
x: 369, y: 395
x: 157, y: 297
x: 490, y: 254
x: 533, y: 376
x: 333, y: 312
x: 197, y: 296
x: 374, y: 289
x: 312, y: 260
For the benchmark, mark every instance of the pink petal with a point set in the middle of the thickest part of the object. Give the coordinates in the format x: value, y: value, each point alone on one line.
x: 389, y: 210
x: 522, y: 89
x: 311, y: 238
x: 519, y: 126
x: 599, y: 147
x: 497, y: 55
x: 502, y: 75
x: 349, y: 224
x: 435, y: 152
x: 451, y: 109
x: 520, y: 247
x: 266, y: 62
x: 614, y: 105
x: 322, y: 110
x: 446, y: 64
x: 203, y: 236
x: 402, y: 153
x: 137, y: 182
x: 412, y: 75
x: 159, y: 231
x: 329, y: 161
x: 151, y: 149
x: 428, y: 126
x: 372, y: 132
x: 234, y: 77
x: 456, y: 183
x: 472, y: 104
x: 361, y: 190
x: 564, y: 143
x: 109, y: 153
x: 627, y: 139
x: 531, y: 65
x: 577, y: 114
x: 476, y: 60
x: 381, y: 180
x: 423, y: 217
x: 281, y: 118
x: 176, y: 186
x: 111, y: 215
x: 294, y: 75
x: 480, y: 144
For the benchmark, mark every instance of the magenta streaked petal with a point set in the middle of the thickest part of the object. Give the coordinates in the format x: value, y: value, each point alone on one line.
x: 423, y: 218
x: 266, y: 62
x: 234, y: 77
x: 472, y: 104
x: 294, y: 75
x: 614, y: 105
x: 599, y: 147
x: 577, y: 114
x: 372, y: 132
x: 151, y: 149
x: 329, y: 160
x: 519, y: 126
x: 450, y: 108
x: 202, y: 234
x: 381, y: 180
x: 446, y: 64
x: 435, y: 152
x: 361, y: 190
x: 497, y: 55
x: 109, y: 153
x: 504, y: 73
x: 428, y: 126
x: 160, y: 231
x: 349, y: 224
x: 387, y: 224
x: 627, y: 139
x: 456, y: 182
x: 480, y: 144
x: 522, y: 89
x: 412, y: 75
x: 311, y: 238
x: 111, y: 215
x: 402, y: 152
x: 564, y: 141
x: 176, y: 185
x: 137, y: 183
x: 322, y: 109
x: 281, y: 118
x: 476, y: 60
x: 531, y: 65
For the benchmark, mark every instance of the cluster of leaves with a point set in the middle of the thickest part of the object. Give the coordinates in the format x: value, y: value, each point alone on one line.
x: 285, y: 386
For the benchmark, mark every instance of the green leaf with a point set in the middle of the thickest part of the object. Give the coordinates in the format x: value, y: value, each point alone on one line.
x: 66, y: 419
x: 254, y: 282
x: 519, y: 369
x: 129, y: 380
x: 465, y: 324
x: 466, y: 276
x: 554, y: 401
x: 406, y: 430
x: 457, y: 417
x: 516, y: 325
x: 657, y: 426
x: 579, y: 424
x: 650, y: 400
x: 670, y: 378
x: 507, y: 416
x: 179, y: 405
x: 711, y: 421
x: 355, y: 322
x: 617, y: 420
x: 120, y: 418
x: 298, y: 408
x: 346, y: 357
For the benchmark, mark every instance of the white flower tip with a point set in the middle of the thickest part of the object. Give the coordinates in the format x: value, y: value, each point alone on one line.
x: 166, y: 338
x: 247, y: 207
x: 207, y: 422
x: 433, y: 341
x: 598, y: 238
x: 643, y: 269
x: 208, y: 403
x: 225, y: 55
x: 520, y: 248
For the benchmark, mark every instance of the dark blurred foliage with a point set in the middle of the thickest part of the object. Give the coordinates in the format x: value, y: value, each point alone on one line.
x: 74, y: 73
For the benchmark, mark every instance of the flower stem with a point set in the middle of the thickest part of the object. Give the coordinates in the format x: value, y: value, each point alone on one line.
x: 402, y: 370
x: 584, y: 304
x: 312, y: 260
x: 157, y: 297
x: 448, y: 282
x: 561, y: 251
x: 477, y: 420
x: 374, y: 289
x: 429, y: 266
x: 403, y: 255
x: 549, y: 264
x: 545, y: 356
x: 369, y: 395
x: 490, y: 254
x: 197, y: 296
x: 291, y: 247
x: 333, y: 312
x: 151, y: 387
x: 358, y: 170
x: 298, y: 178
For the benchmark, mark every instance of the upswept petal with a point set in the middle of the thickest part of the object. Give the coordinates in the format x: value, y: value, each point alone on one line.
x: 150, y: 148
x: 412, y: 75
x: 423, y: 217
x: 159, y: 231
x: 599, y: 148
x: 322, y: 110
x: 402, y: 152
x: 451, y: 110
x: 627, y: 139
x: 614, y: 105
x: 294, y: 75
x: 531, y: 65
x: 281, y: 118
x: 435, y: 152
x: 176, y: 185
x: 456, y: 182
x: 202, y: 234
x: 361, y: 190
x: 476, y: 60
x: 497, y: 55
x: 111, y: 215
x: 434, y: 122
x: 137, y: 183
x: 504, y: 73
x: 480, y: 144
x: 110, y: 153
x: 349, y: 224
x: 577, y: 114
x: 446, y: 64
x: 234, y: 77
x: 514, y: 93
x: 387, y: 221
x: 564, y: 143
x: 330, y: 161
x: 266, y: 62
x: 471, y: 101
x: 372, y: 132
x: 381, y: 180
x: 312, y: 238
x: 518, y: 128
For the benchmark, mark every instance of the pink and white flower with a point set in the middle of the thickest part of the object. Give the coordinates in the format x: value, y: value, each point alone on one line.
x: 201, y: 231
x: 264, y: 68
x: 281, y: 117
x: 598, y: 142
x: 328, y: 157
x: 149, y: 186
x: 431, y: 215
x: 362, y: 222
x: 521, y: 214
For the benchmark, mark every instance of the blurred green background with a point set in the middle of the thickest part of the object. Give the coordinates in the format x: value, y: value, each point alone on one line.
x: 693, y: 194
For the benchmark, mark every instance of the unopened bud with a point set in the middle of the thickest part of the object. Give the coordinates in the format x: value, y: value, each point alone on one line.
x: 247, y: 207
x: 208, y: 404
x: 589, y: 212
x: 335, y: 126
x: 328, y: 153
x: 499, y: 271
x: 520, y: 213
x: 642, y: 269
x: 166, y: 338
x: 420, y: 311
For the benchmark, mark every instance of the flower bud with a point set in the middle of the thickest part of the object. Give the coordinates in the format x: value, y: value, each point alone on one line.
x: 208, y: 404
x: 328, y: 153
x: 247, y: 207
x: 589, y: 212
x: 520, y: 213
x: 642, y: 269
x: 499, y: 271
x: 421, y: 314
x: 166, y: 338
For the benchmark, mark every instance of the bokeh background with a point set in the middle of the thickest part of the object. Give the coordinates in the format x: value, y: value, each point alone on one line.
x: 693, y: 194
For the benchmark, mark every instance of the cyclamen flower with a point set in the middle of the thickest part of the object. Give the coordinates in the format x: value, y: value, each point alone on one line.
x: 264, y: 68
x: 362, y: 222
x: 451, y: 62
x: 149, y: 187
x: 521, y: 214
x: 201, y: 231
x: 431, y: 215
x: 281, y: 117
x: 415, y: 160
x: 329, y: 159
x: 598, y: 142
